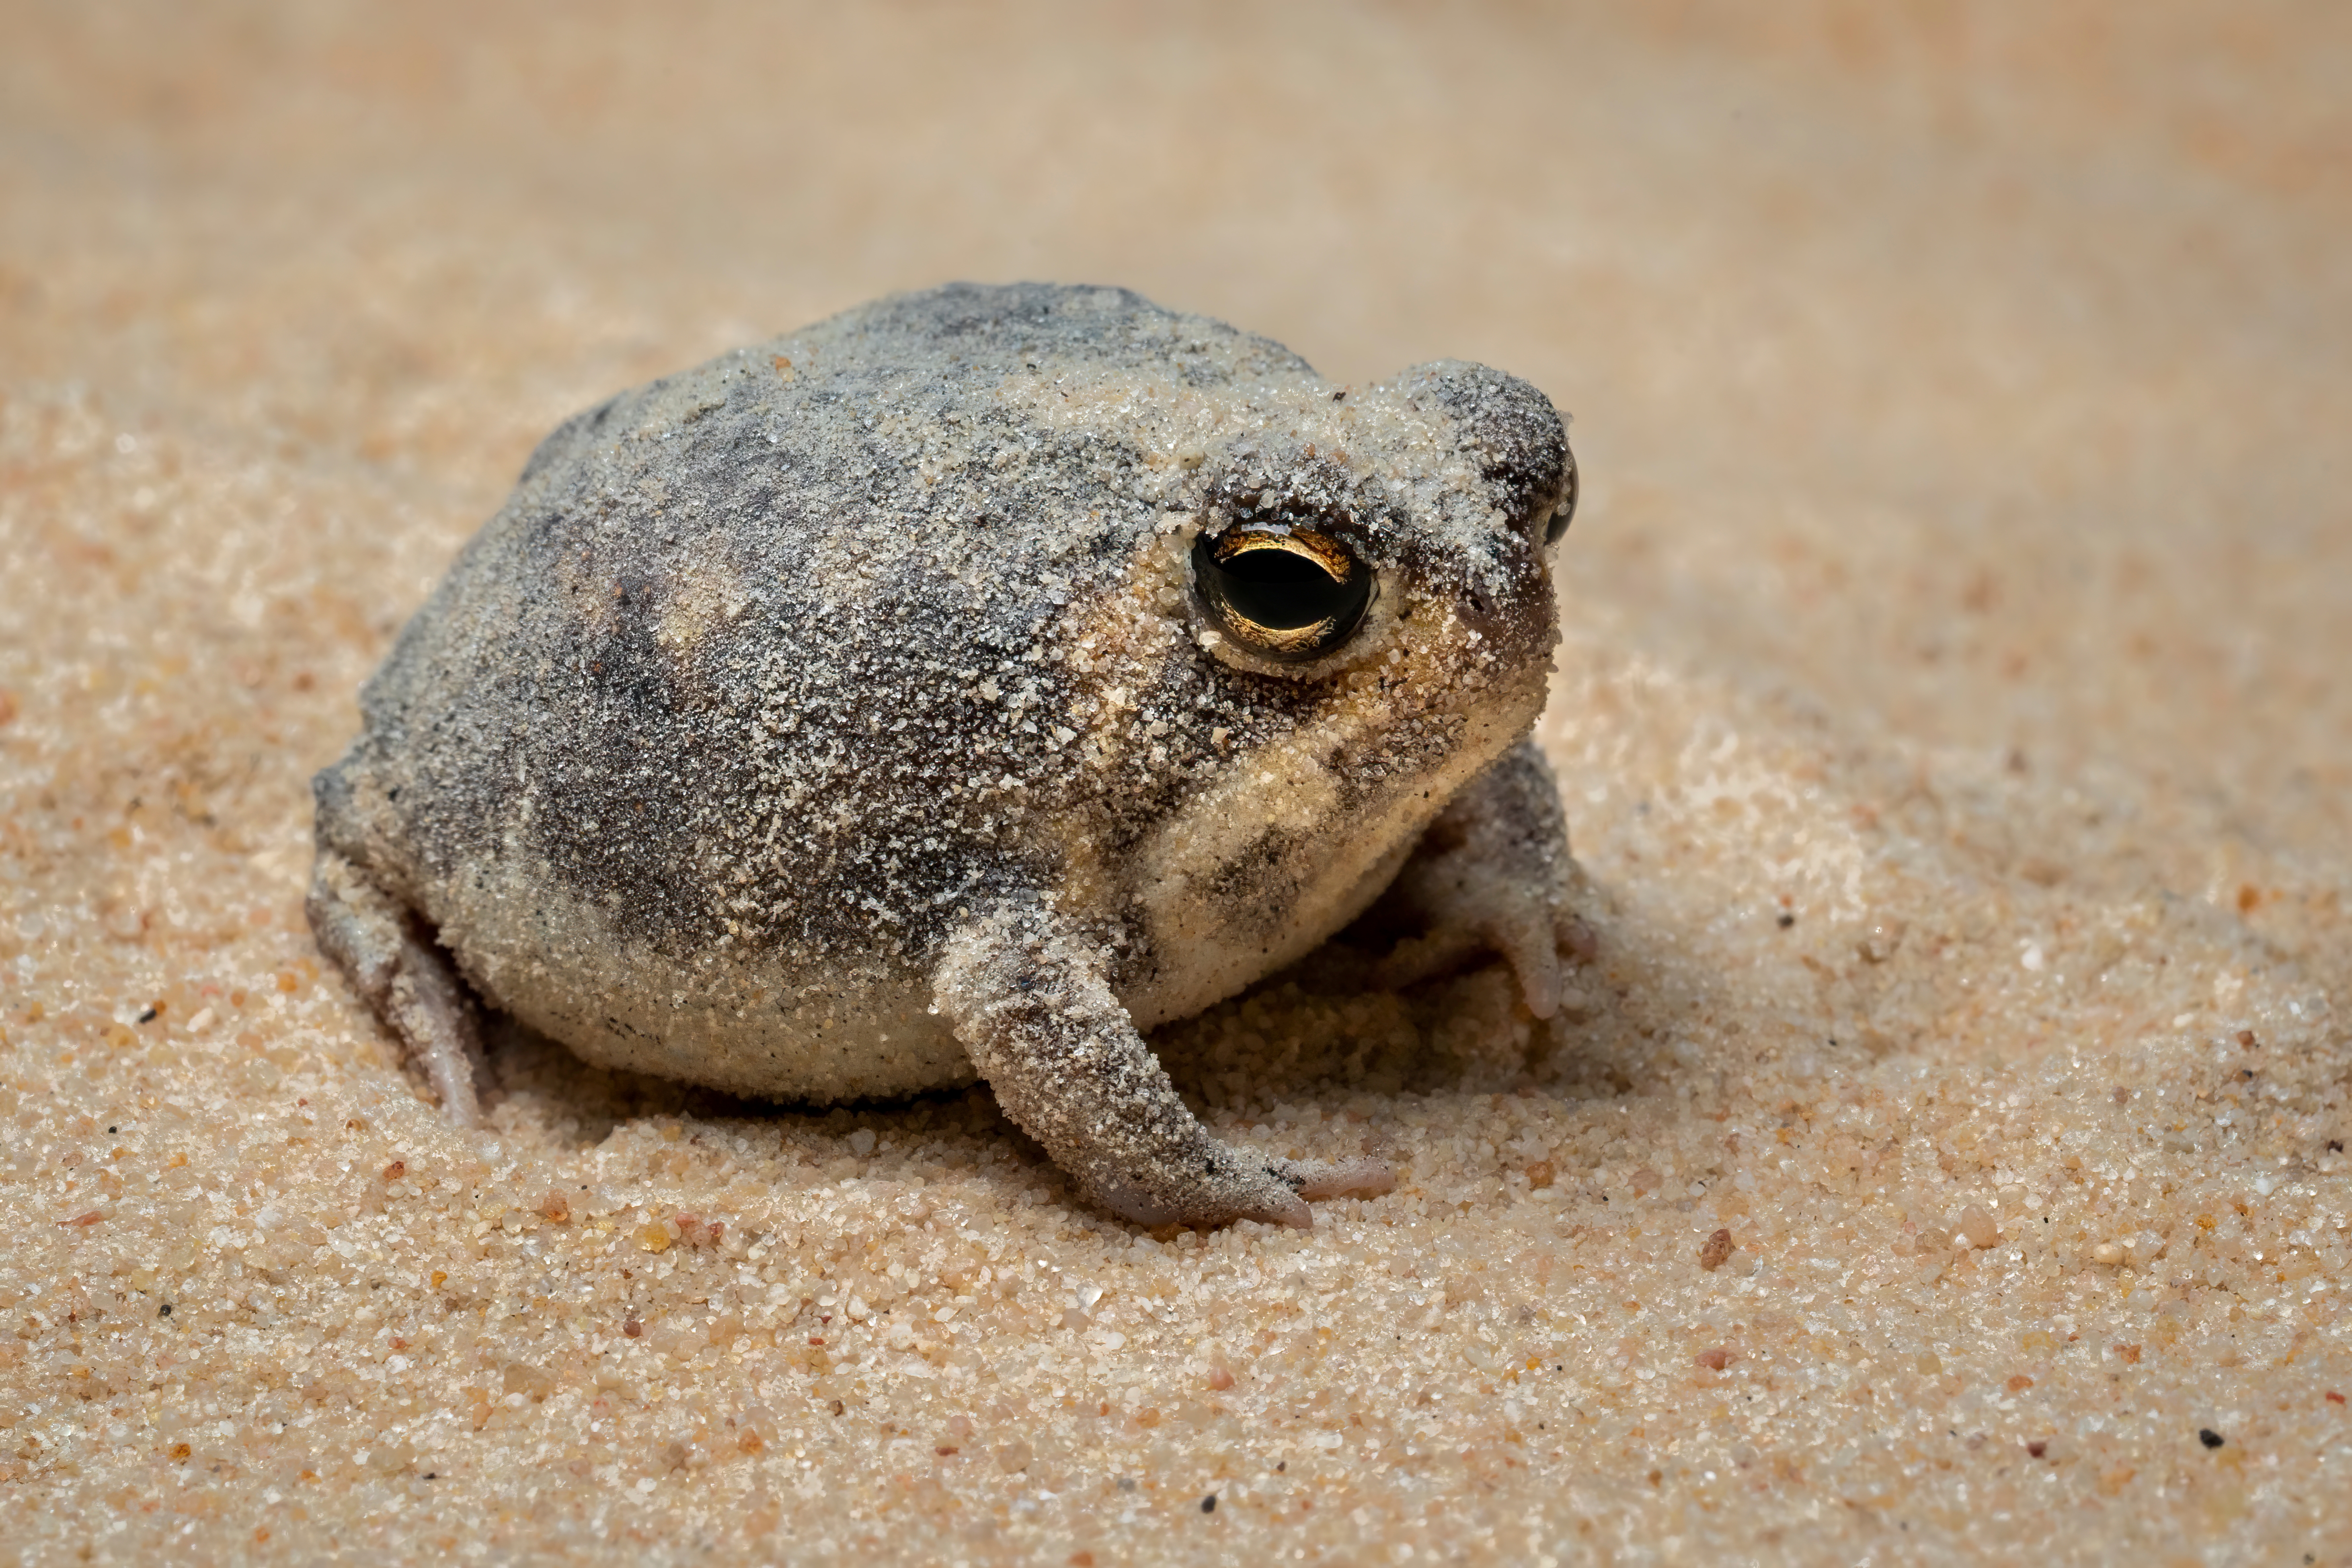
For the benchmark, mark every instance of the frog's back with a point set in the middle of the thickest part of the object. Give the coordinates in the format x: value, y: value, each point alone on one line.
x: 716, y: 729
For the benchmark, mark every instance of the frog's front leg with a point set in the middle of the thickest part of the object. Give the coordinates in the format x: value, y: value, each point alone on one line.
x: 1030, y: 1002
x: 1492, y: 874
x: 401, y: 974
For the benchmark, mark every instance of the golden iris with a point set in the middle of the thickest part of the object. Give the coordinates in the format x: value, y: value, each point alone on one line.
x: 1288, y: 594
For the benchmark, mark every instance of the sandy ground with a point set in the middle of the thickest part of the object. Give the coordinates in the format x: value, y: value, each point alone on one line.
x: 1952, y: 720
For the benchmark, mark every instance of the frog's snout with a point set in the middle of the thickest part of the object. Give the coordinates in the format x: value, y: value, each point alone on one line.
x: 1518, y: 438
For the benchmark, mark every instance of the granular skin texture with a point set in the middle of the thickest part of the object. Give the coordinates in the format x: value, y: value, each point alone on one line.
x: 778, y: 679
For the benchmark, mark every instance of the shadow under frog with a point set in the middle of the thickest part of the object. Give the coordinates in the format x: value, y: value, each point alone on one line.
x: 1337, y: 1029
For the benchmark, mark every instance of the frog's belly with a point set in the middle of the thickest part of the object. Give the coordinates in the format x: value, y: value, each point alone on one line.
x: 748, y: 1022
x: 824, y: 1026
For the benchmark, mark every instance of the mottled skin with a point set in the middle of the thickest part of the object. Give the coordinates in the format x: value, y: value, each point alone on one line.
x: 840, y: 718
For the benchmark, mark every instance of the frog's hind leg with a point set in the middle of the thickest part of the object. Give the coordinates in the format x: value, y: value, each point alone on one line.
x: 1030, y: 1001
x: 403, y: 976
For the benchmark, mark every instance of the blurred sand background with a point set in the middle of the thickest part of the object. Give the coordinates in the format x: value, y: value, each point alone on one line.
x: 1952, y: 718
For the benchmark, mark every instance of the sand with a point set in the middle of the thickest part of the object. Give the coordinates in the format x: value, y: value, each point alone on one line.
x: 1942, y: 1158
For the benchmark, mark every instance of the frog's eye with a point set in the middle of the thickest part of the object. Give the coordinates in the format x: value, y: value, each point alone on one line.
x: 1290, y: 595
x: 1563, y: 513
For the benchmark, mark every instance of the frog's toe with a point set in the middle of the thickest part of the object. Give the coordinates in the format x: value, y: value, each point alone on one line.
x: 1530, y: 942
x: 1290, y: 1183
x: 1235, y: 1185
x: 1416, y: 959
x: 1523, y: 932
x: 1364, y: 1177
x: 1236, y: 1192
x: 1275, y: 1204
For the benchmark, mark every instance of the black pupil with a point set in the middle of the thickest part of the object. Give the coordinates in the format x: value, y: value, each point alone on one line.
x: 1281, y: 591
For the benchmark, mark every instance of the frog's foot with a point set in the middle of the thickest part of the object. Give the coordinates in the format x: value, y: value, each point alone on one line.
x: 1492, y: 875
x: 1030, y: 1002
x: 1363, y: 1178
x: 403, y: 976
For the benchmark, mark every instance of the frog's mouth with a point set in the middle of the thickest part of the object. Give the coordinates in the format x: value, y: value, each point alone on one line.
x: 1295, y: 841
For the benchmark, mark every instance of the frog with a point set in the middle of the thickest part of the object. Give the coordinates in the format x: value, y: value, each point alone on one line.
x: 954, y: 690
